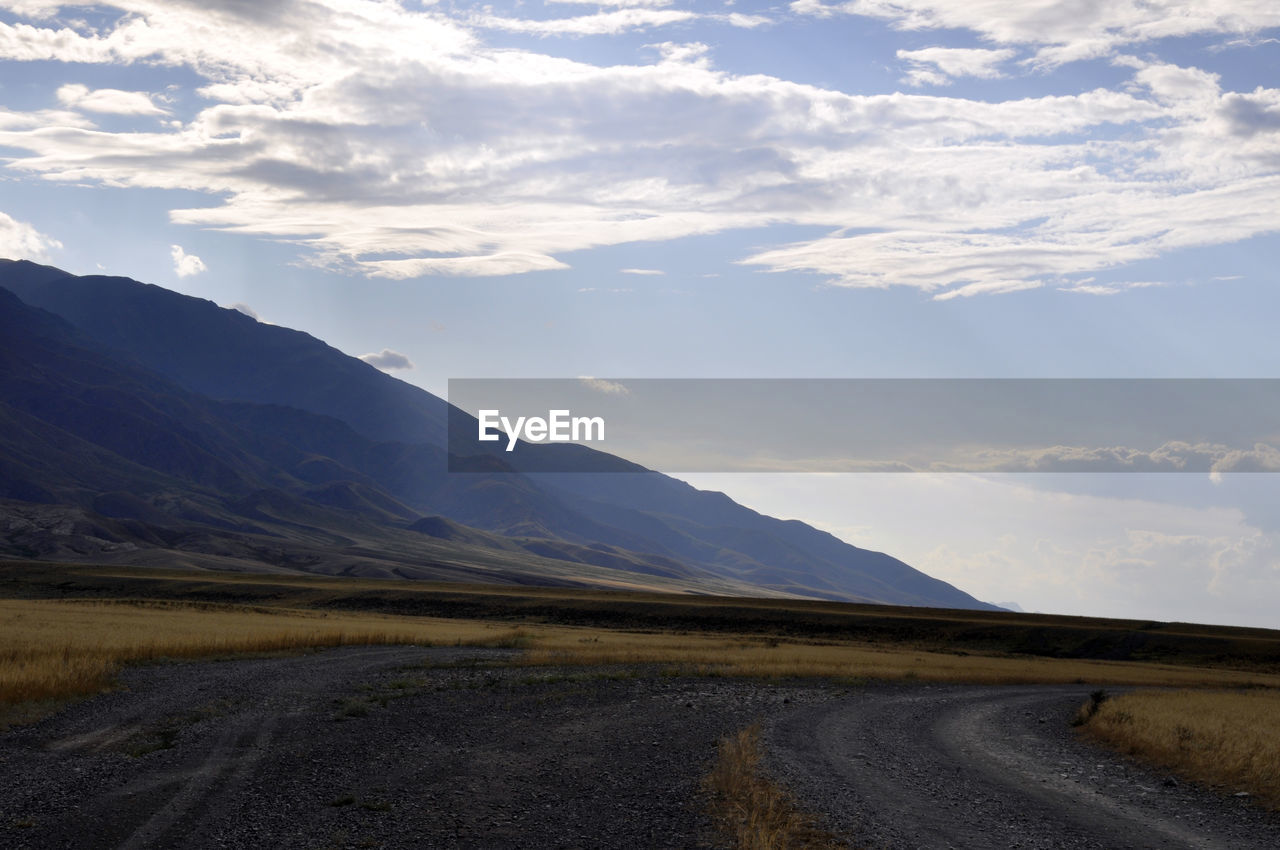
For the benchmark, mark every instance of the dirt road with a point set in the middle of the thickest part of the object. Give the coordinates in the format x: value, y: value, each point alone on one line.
x: 403, y: 747
x: 368, y: 748
x: 990, y: 767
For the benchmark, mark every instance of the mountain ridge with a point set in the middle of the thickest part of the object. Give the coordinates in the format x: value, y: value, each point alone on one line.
x: 342, y: 446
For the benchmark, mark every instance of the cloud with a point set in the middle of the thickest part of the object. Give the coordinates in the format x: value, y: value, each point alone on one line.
x: 674, y: 51
x: 642, y: 271
x: 10, y: 120
x: 600, y: 23
x: 615, y: 3
x: 999, y: 537
x: 601, y: 385
x: 1249, y: 115
x: 388, y: 360
x: 241, y: 307
x: 939, y: 65
x: 184, y: 264
x: 631, y: 17
x: 1172, y: 456
x: 392, y: 142
x: 1087, y: 287
x: 21, y: 241
x: 112, y: 101
x: 1065, y: 30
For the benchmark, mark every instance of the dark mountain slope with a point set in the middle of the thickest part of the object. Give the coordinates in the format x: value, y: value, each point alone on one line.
x: 225, y: 354
x: 682, y: 517
x: 383, y: 440
x: 130, y: 459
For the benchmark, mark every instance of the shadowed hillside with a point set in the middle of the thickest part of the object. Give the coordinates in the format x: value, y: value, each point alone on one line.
x: 140, y: 422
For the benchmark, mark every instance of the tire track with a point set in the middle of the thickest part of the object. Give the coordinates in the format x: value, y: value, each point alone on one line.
x: 991, y: 767
x: 231, y: 761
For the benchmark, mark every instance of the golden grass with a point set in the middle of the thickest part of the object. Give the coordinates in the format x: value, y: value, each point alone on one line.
x: 1229, y: 739
x: 753, y: 812
x: 57, y: 649
x: 779, y: 658
x: 54, y: 650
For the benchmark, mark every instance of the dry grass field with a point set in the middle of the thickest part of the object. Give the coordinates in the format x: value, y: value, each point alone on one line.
x: 55, y: 650
x: 66, y: 630
x: 1226, y: 739
x: 749, y: 655
x: 52, y: 649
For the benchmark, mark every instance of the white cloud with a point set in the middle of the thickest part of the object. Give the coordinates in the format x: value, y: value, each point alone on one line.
x: 642, y: 271
x: 391, y: 142
x: 632, y: 16
x: 939, y: 65
x: 241, y: 307
x: 600, y: 23
x: 1173, y: 456
x: 112, y: 101
x: 1088, y: 287
x: 1001, y: 537
x: 10, y: 120
x: 388, y: 360
x: 1067, y: 30
x: 20, y: 241
x: 673, y: 51
x: 184, y: 264
x: 607, y: 387
x: 615, y: 3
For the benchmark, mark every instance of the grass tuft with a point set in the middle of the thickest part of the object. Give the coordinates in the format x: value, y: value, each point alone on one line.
x: 1086, y: 712
x: 754, y: 813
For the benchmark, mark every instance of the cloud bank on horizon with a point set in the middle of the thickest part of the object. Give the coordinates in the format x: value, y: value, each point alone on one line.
x: 1003, y: 147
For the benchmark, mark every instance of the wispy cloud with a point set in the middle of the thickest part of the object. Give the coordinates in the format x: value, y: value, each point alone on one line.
x: 601, y: 385
x: 1064, y: 30
x: 642, y: 271
x: 940, y: 65
x: 629, y: 17
x: 600, y: 23
x: 1089, y: 287
x: 392, y: 142
x: 111, y: 101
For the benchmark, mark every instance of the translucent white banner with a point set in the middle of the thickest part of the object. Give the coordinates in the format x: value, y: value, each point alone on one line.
x: 867, y: 425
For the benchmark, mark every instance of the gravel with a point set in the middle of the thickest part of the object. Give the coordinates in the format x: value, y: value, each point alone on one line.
x: 991, y: 767
x: 405, y: 747
x: 382, y: 747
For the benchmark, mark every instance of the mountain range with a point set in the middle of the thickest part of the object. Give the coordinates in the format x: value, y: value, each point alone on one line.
x: 142, y: 426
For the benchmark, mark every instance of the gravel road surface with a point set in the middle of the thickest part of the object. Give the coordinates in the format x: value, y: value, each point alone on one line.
x: 990, y: 767
x: 367, y: 747
x: 403, y: 747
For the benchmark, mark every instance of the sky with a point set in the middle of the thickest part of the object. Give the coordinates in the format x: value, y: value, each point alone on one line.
x: 660, y: 189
